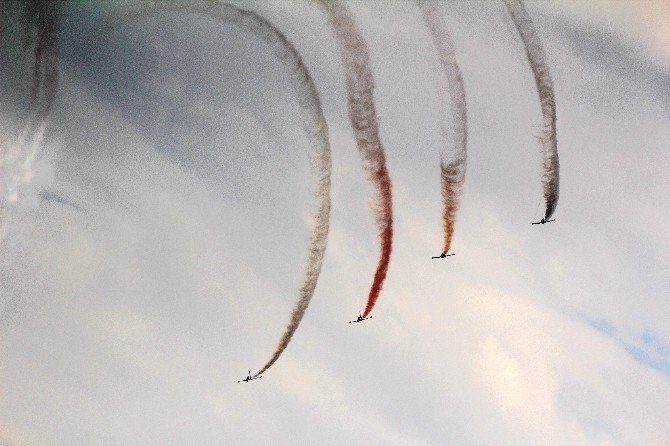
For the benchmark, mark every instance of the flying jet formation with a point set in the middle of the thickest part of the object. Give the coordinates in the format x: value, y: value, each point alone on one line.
x: 361, y: 319
x: 543, y: 221
x: 40, y: 45
x: 248, y: 378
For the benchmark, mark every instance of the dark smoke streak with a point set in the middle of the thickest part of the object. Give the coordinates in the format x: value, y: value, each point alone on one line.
x: 545, y: 89
x: 40, y: 33
x: 360, y: 98
x: 55, y: 198
x: 453, y: 162
x: 316, y: 128
x: 40, y: 50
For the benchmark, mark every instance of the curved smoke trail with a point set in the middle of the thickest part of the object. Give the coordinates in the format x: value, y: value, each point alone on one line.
x: 40, y: 50
x: 363, y: 116
x: 316, y: 128
x: 545, y: 89
x: 453, y: 162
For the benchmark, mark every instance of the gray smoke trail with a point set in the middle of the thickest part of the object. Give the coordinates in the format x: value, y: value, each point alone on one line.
x: 453, y: 160
x: 316, y: 128
x: 363, y: 116
x: 40, y: 50
x: 545, y: 89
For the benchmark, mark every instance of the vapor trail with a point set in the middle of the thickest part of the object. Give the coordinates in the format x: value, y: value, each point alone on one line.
x: 40, y: 51
x: 316, y: 128
x: 453, y: 159
x: 360, y: 98
x: 545, y: 89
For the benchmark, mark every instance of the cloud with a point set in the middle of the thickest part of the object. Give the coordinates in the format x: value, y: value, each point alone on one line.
x: 643, y: 23
x: 139, y: 315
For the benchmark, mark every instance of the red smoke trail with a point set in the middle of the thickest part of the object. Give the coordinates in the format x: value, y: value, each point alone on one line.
x: 384, y: 218
x: 456, y: 135
x: 452, y: 176
x: 545, y: 90
x: 360, y: 98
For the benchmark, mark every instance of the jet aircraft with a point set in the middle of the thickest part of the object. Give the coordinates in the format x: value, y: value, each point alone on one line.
x: 543, y: 221
x: 361, y: 319
x: 248, y: 378
x: 443, y: 255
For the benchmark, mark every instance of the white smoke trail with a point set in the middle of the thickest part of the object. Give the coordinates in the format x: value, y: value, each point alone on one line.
x: 454, y: 158
x: 314, y: 124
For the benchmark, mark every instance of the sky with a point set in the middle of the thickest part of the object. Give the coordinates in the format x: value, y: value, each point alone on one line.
x: 155, y: 256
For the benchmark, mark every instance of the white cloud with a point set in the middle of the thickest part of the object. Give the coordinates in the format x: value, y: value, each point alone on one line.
x: 141, y: 311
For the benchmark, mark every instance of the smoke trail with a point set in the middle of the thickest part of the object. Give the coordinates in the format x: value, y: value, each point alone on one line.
x: 40, y: 49
x: 453, y: 161
x: 360, y: 98
x: 545, y: 89
x: 316, y: 128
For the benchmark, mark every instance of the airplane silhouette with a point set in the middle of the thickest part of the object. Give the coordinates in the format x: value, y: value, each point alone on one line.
x: 361, y: 319
x: 248, y: 378
x: 443, y: 255
x: 543, y: 221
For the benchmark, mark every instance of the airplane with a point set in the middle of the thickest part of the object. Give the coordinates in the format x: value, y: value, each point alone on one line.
x: 361, y: 319
x: 443, y: 255
x: 543, y: 221
x: 248, y: 378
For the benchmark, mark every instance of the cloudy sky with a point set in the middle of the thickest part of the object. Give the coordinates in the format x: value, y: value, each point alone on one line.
x: 156, y: 255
